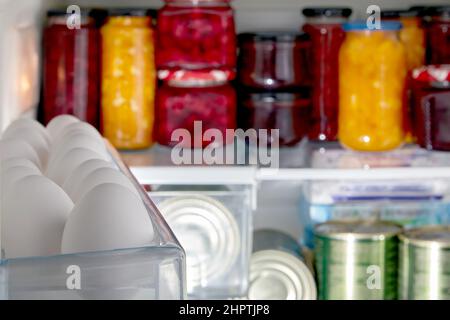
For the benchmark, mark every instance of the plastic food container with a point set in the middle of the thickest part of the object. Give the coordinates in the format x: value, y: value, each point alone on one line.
x: 287, y: 112
x: 273, y: 60
x: 372, y: 73
x: 324, y: 26
x: 213, y: 224
x: 71, y: 71
x: 431, y: 96
x: 128, y: 79
x: 196, y: 35
x: 195, y: 107
x: 149, y: 273
x: 438, y: 34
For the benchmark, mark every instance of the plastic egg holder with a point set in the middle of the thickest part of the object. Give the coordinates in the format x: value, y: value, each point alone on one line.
x: 156, y: 271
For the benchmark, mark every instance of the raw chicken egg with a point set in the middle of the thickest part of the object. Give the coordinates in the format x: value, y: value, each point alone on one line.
x: 16, y: 148
x: 17, y: 162
x: 25, y: 123
x: 58, y: 124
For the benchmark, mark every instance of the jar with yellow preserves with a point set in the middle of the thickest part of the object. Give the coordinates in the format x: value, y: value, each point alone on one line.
x: 372, y: 74
x: 128, y: 78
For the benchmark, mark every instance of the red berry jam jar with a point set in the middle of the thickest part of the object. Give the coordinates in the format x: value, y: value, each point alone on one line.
x: 287, y: 112
x: 438, y: 34
x: 327, y: 36
x: 71, y: 68
x: 431, y: 94
x: 196, y: 35
x: 195, y: 107
x: 273, y: 60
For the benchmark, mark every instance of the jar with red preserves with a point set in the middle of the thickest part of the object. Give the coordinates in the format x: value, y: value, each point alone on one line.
x: 71, y: 68
x: 287, y: 112
x: 273, y: 60
x: 438, y: 35
x: 196, y: 35
x: 195, y: 107
x: 327, y: 35
x: 431, y: 93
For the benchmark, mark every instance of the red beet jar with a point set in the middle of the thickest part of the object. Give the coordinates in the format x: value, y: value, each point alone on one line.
x: 324, y: 27
x: 273, y: 60
x: 431, y: 96
x: 196, y: 35
x: 196, y: 108
x: 438, y: 35
x: 287, y: 112
x: 71, y: 68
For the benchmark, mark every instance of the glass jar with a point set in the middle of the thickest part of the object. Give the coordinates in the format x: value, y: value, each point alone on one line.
x: 71, y: 68
x: 196, y: 35
x: 183, y: 105
x: 431, y: 96
x: 438, y: 34
x: 128, y: 79
x: 273, y: 61
x: 372, y: 73
x: 288, y: 112
x: 324, y: 27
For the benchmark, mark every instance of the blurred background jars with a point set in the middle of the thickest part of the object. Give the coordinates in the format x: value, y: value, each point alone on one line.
x: 431, y: 96
x: 71, y: 68
x: 324, y: 26
x: 372, y: 73
x: 273, y: 60
x: 181, y: 104
x: 288, y: 112
x: 128, y: 78
x: 196, y: 35
x: 438, y: 34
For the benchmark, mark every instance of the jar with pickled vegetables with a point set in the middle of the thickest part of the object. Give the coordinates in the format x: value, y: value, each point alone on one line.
x: 324, y: 25
x: 438, y: 34
x: 196, y: 35
x: 372, y: 74
x: 128, y: 79
x: 71, y: 69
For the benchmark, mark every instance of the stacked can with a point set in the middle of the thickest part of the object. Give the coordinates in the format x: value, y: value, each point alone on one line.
x: 274, y: 85
x: 357, y: 260
x: 425, y: 264
x: 196, y: 59
x: 278, y: 269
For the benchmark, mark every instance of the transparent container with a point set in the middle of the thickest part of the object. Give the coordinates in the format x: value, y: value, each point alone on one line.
x: 213, y: 224
x: 128, y: 78
x: 372, y: 73
x: 438, y: 34
x: 154, y: 272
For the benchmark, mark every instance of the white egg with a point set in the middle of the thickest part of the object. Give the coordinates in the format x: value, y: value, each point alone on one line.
x: 101, y: 176
x: 13, y: 174
x: 109, y: 217
x: 34, y: 218
x: 81, y: 172
x: 58, y: 124
x: 81, y: 127
x: 61, y: 168
x: 37, y: 141
x: 16, y: 148
x: 16, y: 162
x: 29, y: 124
x: 76, y: 139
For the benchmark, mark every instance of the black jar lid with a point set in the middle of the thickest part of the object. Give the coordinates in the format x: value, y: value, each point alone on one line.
x: 62, y: 12
x: 400, y: 13
x: 332, y: 12
x: 438, y: 11
x: 132, y: 12
x: 275, y: 36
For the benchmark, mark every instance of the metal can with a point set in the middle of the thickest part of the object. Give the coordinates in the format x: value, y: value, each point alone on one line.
x: 357, y: 260
x: 425, y: 264
x: 278, y: 269
x: 208, y: 232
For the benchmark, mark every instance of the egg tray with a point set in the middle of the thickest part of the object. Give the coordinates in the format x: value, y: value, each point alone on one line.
x: 154, y: 272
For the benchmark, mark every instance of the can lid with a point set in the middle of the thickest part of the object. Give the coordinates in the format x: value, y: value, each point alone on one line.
x: 399, y: 13
x: 361, y: 25
x: 344, y: 12
x: 208, y: 232
x: 428, y: 236
x: 275, y: 36
x: 433, y: 74
x: 278, y: 275
x: 132, y: 12
x: 360, y: 229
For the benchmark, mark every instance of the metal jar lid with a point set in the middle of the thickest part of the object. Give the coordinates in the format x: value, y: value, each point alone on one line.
x: 437, y: 236
x: 208, y: 232
x: 358, y: 229
x: 278, y: 275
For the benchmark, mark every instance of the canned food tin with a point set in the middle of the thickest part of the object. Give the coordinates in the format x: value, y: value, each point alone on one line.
x: 208, y: 232
x: 357, y: 260
x: 425, y: 264
x: 278, y: 270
